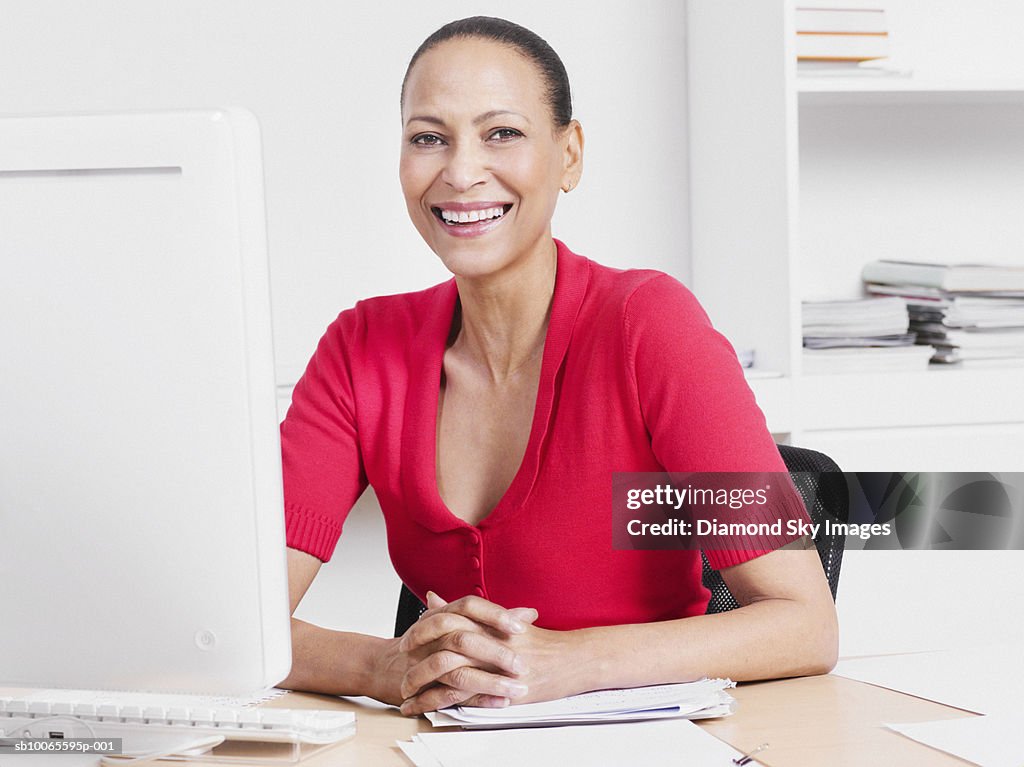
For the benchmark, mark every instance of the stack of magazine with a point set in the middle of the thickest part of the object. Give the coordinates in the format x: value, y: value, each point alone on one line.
x: 860, y: 335
x: 832, y: 38
x: 964, y: 312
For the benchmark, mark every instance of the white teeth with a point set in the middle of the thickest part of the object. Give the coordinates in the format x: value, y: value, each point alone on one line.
x: 466, y: 217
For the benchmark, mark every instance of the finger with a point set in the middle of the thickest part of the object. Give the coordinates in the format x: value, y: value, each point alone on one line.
x: 433, y: 699
x: 420, y: 704
x: 488, y: 613
x: 486, y: 701
x: 457, y: 670
x: 431, y: 627
x: 462, y: 649
x: 435, y: 605
x: 525, y: 614
x: 479, y: 648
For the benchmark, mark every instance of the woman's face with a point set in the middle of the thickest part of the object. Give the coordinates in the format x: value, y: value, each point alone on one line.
x: 482, y: 162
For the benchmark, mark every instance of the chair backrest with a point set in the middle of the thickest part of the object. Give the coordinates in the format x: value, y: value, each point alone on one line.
x: 823, y: 488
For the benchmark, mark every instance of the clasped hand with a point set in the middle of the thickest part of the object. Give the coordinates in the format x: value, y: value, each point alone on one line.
x: 476, y: 653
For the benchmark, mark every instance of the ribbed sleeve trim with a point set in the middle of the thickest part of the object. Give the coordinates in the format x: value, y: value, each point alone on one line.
x: 310, y: 532
x: 792, y: 508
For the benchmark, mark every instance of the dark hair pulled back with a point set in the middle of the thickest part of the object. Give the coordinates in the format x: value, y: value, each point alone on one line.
x: 521, y: 39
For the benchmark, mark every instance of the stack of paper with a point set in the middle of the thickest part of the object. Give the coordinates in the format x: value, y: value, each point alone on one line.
x: 967, y: 278
x: 867, y: 334
x: 638, y: 744
x: 965, y: 312
x: 834, y: 34
x: 693, y: 700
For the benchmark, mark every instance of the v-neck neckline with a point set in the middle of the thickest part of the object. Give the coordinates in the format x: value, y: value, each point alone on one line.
x: 419, y: 434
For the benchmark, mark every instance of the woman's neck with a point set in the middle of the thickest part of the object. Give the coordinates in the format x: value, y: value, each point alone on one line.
x: 504, y: 317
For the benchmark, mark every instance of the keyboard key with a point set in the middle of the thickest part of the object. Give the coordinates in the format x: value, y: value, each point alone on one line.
x: 271, y: 718
x: 225, y: 717
x: 155, y: 714
x: 202, y: 717
x: 249, y: 718
x: 39, y: 708
x: 132, y: 714
x: 179, y: 715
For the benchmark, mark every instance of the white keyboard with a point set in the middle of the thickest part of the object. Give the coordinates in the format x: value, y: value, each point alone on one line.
x: 139, y: 724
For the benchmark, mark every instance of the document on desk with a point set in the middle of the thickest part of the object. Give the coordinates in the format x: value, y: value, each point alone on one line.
x: 638, y: 744
x: 988, y: 741
x: 974, y: 679
x: 703, y: 699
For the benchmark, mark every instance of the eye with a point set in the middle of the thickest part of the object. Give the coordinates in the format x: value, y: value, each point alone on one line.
x: 426, y: 139
x: 505, y: 134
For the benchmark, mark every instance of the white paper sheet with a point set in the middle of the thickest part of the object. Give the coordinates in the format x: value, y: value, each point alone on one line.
x: 690, y: 695
x: 702, y: 699
x: 988, y: 741
x: 417, y: 753
x: 985, y: 680
x: 441, y: 719
x: 638, y: 744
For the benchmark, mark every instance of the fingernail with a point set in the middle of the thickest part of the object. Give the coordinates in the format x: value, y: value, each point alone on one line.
x: 515, y: 689
x: 519, y: 666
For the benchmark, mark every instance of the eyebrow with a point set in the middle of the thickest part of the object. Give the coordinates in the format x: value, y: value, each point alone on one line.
x: 476, y: 120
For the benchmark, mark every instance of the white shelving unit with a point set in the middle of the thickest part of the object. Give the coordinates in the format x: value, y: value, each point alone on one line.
x: 797, y: 182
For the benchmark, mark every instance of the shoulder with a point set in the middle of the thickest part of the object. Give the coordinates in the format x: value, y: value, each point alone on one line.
x: 638, y: 297
x: 396, y: 318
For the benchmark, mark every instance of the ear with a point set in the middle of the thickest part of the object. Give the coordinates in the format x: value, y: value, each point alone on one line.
x: 572, y: 148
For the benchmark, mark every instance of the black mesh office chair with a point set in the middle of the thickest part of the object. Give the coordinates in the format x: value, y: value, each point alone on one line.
x: 823, y: 488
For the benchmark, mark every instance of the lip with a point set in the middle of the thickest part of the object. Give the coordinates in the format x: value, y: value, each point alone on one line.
x: 475, y: 228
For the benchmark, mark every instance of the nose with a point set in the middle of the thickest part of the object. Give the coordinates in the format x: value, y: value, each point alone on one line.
x: 466, y: 166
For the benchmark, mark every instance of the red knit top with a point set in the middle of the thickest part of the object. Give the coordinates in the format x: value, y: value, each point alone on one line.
x: 633, y: 378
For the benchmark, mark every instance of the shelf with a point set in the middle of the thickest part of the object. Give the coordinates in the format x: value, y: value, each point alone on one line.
x: 937, y: 396
x: 795, y: 182
x: 905, y: 90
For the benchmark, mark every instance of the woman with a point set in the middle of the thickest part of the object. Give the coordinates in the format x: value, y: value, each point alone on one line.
x: 489, y: 413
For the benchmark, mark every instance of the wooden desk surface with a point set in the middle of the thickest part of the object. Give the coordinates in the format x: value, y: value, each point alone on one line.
x: 810, y: 722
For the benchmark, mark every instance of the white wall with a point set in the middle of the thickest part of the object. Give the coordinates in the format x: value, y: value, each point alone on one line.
x: 323, y: 78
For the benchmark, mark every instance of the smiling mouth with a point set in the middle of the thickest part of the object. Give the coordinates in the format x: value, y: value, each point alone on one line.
x: 466, y: 217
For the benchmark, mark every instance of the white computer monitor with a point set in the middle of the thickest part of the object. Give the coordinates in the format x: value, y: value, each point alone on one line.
x: 141, y: 523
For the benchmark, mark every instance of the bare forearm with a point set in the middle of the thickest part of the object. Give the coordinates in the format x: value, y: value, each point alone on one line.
x: 768, y: 639
x: 340, y: 663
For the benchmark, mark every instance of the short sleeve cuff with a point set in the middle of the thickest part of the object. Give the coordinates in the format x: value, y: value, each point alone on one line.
x: 310, y: 532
